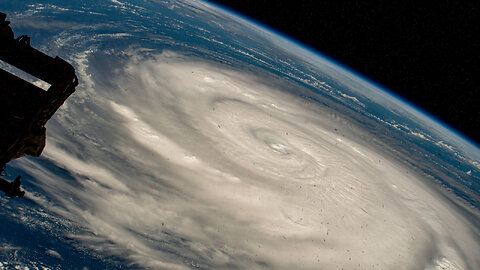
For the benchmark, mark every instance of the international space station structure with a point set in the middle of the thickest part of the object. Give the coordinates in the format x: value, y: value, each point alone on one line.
x: 24, y: 107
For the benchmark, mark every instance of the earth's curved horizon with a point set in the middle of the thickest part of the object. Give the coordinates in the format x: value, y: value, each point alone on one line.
x: 199, y: 139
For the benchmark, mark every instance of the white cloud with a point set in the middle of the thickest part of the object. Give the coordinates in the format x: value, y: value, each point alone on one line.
x: 181, y: 163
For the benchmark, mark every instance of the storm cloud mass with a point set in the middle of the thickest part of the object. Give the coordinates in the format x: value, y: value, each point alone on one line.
x: 185, y: 163
x: 171, y: 160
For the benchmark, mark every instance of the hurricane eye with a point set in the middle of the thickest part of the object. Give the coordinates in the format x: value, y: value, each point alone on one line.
x: 277, y: 147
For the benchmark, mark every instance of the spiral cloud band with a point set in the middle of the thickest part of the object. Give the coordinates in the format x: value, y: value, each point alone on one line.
x: 182, y: 163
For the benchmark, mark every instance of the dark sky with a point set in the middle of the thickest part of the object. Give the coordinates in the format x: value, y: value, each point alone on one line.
x: 428, y: 54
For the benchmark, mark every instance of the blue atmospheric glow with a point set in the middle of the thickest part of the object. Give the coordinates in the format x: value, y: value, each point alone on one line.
x: 350, y: 70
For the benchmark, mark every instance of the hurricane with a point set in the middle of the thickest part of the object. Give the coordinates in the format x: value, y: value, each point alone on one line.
x: 180, y: 156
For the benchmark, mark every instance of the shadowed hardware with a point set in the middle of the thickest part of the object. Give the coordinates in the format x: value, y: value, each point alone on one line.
x: 24, y: 107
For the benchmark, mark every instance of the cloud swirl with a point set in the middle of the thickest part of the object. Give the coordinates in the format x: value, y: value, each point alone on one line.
x: 175, y: 162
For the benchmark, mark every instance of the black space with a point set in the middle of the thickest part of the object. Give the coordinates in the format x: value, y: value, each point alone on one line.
x: 427, y: 52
